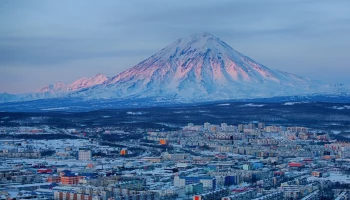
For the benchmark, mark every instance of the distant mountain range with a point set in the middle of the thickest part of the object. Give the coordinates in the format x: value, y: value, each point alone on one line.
x: 197, y: 68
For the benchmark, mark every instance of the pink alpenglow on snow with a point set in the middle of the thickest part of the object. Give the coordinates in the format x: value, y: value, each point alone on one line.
x: 76, y: 85
x: 197, y: 68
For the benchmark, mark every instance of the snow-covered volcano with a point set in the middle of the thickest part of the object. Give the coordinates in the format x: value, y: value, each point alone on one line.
x: 200, y: 67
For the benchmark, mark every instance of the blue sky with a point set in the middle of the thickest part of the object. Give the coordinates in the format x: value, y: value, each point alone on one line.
x: 43, y: 42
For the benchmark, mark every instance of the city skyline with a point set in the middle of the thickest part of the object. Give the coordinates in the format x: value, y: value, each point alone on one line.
x: 44, y: 43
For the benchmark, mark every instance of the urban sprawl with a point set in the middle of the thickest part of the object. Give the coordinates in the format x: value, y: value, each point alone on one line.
x: 199, y: 162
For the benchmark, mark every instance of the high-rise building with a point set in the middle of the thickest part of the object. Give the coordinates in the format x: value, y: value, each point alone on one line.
x: 85, y: 154
x: 223, y: 127
x: 251, y: 126
x: 261, y: 125
x: 240, y: 127
x: 206, y: 125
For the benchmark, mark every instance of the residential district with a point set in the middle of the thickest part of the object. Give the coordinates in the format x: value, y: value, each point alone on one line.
x: 199, y: 162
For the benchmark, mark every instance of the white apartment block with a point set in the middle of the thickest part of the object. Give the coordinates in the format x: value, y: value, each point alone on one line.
x: 85, y: 154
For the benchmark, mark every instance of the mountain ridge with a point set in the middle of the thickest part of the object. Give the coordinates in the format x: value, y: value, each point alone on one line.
x: 200, y: 67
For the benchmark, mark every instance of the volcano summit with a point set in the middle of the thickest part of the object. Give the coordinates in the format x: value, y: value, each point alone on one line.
x: 197, y: 68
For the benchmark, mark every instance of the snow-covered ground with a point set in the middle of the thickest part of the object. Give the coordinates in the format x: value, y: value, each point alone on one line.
x: 345, y: 107
x: 291, y: 103
x: 252, y: 105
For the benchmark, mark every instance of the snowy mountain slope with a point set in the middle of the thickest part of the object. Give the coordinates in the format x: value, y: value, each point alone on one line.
x: 197, y: 68
x: 5, y: 97
x: 76, y: 85
x: 56, y: 90
x: 202, y: 67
